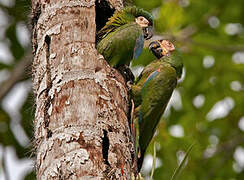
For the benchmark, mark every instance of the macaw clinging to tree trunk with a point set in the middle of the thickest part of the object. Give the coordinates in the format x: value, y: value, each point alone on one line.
x: 122, y: 38
x: 153, y: 89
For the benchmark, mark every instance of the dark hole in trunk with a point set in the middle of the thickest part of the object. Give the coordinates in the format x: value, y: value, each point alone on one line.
x: 105, y: 144
x: 103, y: 12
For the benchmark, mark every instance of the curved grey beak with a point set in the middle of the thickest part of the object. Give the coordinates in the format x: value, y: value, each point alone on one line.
x: 148, y: 32
x: 156, y: 49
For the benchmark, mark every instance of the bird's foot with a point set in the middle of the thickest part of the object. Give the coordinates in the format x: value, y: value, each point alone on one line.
x: 127, y: 74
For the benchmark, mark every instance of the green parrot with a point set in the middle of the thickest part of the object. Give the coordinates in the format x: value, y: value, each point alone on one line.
x: 153, y: 89
x: 122, y: 38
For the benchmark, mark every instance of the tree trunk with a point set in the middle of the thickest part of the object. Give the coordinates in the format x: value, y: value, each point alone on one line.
x: 81, y: 120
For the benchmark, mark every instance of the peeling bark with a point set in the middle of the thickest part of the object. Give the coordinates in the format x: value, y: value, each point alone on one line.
x: 81, y: 125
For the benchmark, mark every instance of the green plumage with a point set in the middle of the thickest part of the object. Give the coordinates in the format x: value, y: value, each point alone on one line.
x: 117, y: 39
x: 152, y: 93
x: 117, y: 47
x: 155, y: 97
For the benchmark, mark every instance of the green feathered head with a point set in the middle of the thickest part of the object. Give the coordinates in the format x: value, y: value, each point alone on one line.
x: 128, y: 15
x: 166, y: 51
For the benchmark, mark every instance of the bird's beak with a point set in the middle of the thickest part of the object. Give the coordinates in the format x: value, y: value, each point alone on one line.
x: 164, y: 51
x: 156, y: 49
x: 154, y: 45
x: 148, y: 32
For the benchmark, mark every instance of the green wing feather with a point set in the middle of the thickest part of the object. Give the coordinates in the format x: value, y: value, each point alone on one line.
x: 122, y: 17
x: 117, y: 47
x: 140, y: 81
x: 151, y: 97
x: 151, y: 93
x: 155, y: 97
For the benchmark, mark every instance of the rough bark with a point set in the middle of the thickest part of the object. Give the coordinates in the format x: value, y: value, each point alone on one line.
x: 81, y: 125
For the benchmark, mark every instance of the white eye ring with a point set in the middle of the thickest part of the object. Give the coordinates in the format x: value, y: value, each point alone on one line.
x: 142, y: 21
x: 141, y: 18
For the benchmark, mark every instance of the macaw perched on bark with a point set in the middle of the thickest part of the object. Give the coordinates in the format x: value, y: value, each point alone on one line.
x: 153, y: 90
x: 122, y: 38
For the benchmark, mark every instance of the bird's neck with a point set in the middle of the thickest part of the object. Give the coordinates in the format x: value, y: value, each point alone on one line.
x: 175, y: 62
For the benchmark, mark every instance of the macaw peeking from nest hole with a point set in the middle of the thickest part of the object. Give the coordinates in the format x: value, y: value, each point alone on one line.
x: 121, y: 40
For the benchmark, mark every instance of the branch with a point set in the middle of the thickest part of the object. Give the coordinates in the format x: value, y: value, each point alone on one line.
x: 220, y: 48
x: 16, y: 75
x: 185, y: 36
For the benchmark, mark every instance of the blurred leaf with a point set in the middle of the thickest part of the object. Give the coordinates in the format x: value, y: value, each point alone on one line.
x: 171, y: 17
x: 182, y: 163
x: 15, y: 47
x: 148, y: 5
x: 27, y: 112
x: 20, y: 11
x: 4, y: 66
x: 154, y: 161
x: 30, y: 176
x: 7, y: 137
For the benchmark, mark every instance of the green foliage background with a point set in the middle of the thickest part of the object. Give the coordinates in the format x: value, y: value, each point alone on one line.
x: 201, y: 29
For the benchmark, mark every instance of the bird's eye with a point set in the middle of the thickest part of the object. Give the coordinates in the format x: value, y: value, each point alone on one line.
x: 141, y: 18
